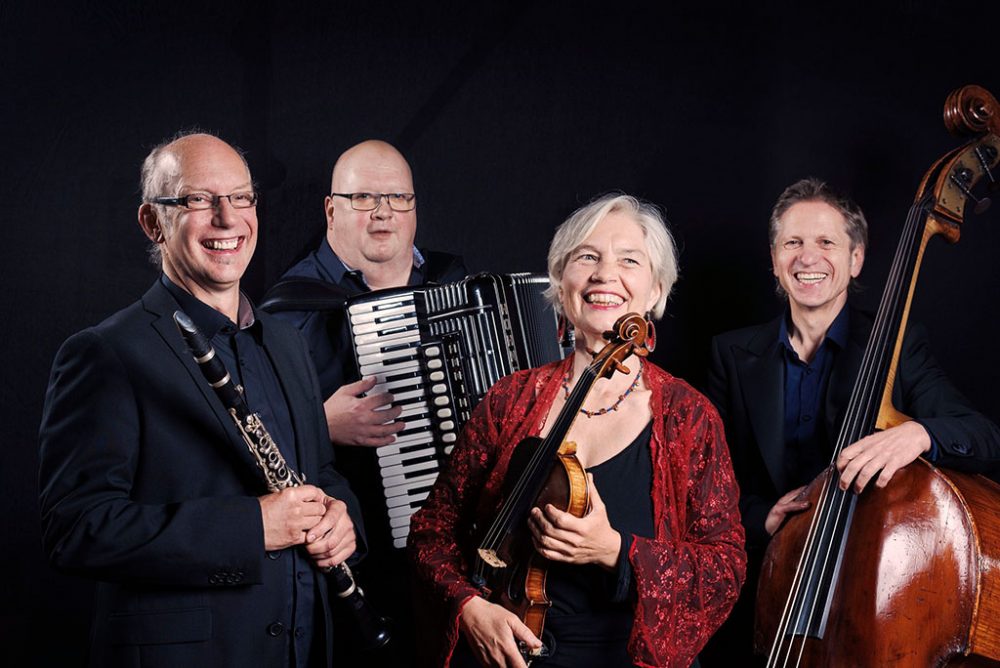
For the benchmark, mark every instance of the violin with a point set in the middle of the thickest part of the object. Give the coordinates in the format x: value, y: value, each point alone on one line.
x: 907, y: 575
x: 506, y: 567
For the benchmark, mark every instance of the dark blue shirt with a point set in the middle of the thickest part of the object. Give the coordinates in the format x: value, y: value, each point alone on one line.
x: 241, y: 349
x: 807, y: 447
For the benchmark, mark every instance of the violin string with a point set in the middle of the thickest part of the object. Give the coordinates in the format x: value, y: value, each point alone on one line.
x: 499, y: 527
x: 830, y: 508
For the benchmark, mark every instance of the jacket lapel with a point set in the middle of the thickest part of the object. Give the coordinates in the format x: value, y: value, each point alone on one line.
x: 762, y: 381
x: 845, y: 373
x: 292, y: 371
x: 158, y: 302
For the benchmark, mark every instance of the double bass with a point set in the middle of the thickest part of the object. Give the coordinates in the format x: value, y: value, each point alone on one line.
x: 906, y: 575
x: 506, y: 566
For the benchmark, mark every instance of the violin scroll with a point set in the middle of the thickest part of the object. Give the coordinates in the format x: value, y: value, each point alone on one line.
x: 627, y: 337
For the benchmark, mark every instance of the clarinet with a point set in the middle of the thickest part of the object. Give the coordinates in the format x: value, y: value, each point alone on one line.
x: 277, y: 474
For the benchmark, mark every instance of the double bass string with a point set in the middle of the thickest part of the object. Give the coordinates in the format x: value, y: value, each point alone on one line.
x: 830, y: 510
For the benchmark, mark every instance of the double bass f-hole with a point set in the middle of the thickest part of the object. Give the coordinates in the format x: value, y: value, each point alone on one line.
x: 506, y: 567
x: 924, y: 552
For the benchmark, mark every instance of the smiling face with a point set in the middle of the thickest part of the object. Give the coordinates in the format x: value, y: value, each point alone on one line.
x: 607, y: 276
x: 812, y: 258
x: 365, y: 238
x: 206, y: 251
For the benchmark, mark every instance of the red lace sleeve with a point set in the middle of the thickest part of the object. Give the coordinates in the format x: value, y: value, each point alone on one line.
x: 439, y: 531
x: 688, y: 577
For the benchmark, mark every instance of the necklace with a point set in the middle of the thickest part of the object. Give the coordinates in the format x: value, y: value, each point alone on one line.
x: 612, y: 407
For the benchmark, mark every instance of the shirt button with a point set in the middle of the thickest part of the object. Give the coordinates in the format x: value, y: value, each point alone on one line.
x: 299, y: 576
x: 274, y: 555
x: 275, y: 629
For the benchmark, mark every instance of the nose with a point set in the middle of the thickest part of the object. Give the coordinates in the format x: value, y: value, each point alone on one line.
x: 382, y: 209
x: 226, y: 214
x: 603, y: 271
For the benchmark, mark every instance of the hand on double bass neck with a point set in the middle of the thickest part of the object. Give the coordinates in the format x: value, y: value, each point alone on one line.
x: 559, y: 536
x: 884, y: 451
x: 493, y: 633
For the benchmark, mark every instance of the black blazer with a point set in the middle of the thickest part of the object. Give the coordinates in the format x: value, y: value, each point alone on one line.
x: 147, y: 487
x: 746, y: 383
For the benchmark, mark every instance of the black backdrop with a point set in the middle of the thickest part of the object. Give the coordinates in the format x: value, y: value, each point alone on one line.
x: 511, y: 115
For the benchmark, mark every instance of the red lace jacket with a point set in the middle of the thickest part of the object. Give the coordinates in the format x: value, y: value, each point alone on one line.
x: 686, y: 577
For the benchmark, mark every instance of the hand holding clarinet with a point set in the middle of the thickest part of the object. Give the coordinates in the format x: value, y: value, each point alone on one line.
x: 294, y: 513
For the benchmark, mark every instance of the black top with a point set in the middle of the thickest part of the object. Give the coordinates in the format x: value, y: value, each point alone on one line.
x: 591, y: 614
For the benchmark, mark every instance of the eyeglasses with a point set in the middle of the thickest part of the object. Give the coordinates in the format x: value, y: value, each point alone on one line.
x: 371, y: 201
x: 199, y: 201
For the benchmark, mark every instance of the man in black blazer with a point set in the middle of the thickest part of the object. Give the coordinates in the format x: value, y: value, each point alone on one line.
x: 782, y: 387
x: 147, y: 486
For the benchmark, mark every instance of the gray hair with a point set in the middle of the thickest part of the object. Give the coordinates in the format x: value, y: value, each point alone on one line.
x: 158, y: 177
x: 659, y: 243
x: 811, y: 189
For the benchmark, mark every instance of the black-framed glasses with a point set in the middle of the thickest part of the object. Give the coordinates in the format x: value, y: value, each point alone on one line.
x: 371, y: 201
x: 199, y: 201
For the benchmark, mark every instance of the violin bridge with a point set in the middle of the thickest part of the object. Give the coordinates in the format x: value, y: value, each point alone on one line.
x: 491, y: 558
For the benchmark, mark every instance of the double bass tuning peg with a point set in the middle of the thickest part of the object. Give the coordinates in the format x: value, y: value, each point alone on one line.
x: 962, y: 176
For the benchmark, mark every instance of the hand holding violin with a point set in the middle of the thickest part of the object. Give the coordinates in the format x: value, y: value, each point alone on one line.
x: 493, y: 633
x: 591, y: 539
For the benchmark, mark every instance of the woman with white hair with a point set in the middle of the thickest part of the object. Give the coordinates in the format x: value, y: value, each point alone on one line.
x: 653, y: 569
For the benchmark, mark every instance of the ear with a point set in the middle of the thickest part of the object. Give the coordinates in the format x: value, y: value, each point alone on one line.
x: 150, y: 223
x: 328, y: 210
x: 857, y: 260
x: 654, y: 296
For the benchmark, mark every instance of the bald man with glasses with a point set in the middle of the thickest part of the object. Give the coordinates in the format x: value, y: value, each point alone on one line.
x: 371, y: 223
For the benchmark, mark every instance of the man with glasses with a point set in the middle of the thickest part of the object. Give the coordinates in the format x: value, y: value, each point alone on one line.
x: 371, y: 222
x: 147, y: 486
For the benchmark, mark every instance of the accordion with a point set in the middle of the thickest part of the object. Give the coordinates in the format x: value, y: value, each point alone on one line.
x: 437, y: 350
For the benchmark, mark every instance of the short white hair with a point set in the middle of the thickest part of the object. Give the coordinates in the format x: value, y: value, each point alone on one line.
x: 659, y: 243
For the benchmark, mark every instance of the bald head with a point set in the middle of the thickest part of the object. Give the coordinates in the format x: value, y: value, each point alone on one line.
x: 371, y: 156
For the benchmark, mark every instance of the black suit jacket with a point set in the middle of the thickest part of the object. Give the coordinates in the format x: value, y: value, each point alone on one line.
x: 147, y: 487
x: 746, y: 383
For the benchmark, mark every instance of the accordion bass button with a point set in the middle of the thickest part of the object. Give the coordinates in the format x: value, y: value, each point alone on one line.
x: 441, y: 401
x: 449, y: 438
x: 448, y: 425
x: 439, y: 388
x: 434, y: 364
x: 432, y: 351
x: 437, y: 376
x: 444, y: 413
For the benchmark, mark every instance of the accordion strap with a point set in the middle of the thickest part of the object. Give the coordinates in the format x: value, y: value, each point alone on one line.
x: 304, y: 294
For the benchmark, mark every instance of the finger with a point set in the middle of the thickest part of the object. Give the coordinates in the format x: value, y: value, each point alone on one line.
x: 381, y: 402
x: 358, y: 387
x: 595, y: 497
x: 523, y: 634
x: 375, y: 441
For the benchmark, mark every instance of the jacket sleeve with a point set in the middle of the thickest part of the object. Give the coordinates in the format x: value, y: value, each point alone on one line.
x: 90, y: 438
x: 753, y: 507
x: 968, y: 441
x: 688, y: 580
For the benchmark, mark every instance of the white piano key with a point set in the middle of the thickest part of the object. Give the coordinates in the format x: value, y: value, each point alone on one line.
x: 404, y: 502
x: 407, y: 484
x: 400, y: 543
x: 399, y: 458
x: 403, y: 521
x: 395, y: 476
x: 400, y: 534
x: 374, y: 307
x: 384, y: 356
x: 370, y: 323
x: 408, y: 440
x: 382, y: 367
x: 417, y: 408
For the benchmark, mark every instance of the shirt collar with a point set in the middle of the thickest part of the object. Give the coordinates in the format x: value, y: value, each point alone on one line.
x: 206, y: 318
x: 336, y: 268
x: 836, y: 333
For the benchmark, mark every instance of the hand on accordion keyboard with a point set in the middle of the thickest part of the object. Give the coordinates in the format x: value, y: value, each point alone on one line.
x: 354, y: 419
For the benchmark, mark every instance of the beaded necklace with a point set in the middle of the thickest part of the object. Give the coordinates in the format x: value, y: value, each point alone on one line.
x: 612, y: 407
